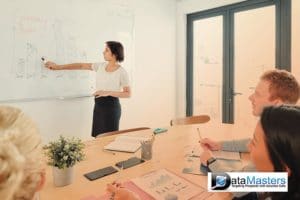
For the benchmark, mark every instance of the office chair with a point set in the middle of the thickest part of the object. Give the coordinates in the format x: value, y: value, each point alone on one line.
x: 198, y: 119
x: 122, y: 131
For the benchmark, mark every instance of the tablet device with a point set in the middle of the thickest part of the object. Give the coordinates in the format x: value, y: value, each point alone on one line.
x: 129, y: 163
x: 100, y: 173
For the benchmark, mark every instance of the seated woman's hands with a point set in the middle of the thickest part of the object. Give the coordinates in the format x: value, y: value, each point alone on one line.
x: 118, y: 192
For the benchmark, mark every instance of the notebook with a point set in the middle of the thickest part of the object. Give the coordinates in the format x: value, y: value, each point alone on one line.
x: 126, y: 143
x: 191, y: 166
x: 226, y: 155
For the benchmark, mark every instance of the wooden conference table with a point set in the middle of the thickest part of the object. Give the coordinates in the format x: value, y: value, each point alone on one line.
x: 169, y: 151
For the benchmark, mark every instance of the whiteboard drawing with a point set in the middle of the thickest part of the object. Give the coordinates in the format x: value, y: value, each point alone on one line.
x: 32, y: 32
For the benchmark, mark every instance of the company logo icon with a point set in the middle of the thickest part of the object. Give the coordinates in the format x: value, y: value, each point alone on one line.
x: 220, y: 181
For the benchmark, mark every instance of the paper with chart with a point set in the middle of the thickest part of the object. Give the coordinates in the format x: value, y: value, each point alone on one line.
x: 162, y: 183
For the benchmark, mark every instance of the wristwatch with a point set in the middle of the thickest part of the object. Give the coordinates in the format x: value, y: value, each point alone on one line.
x: 211, y: 160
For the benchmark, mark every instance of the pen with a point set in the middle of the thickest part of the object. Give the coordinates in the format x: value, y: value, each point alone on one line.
x: 199, y: 134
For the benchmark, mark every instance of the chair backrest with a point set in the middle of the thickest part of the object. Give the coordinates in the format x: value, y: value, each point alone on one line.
x: 190, y: 120
x: 122, y: 131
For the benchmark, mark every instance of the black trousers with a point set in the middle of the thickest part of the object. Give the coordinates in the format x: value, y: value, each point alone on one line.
x: 107, y: 114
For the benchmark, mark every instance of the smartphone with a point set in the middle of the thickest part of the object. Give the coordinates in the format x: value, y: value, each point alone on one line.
x: 204, y: 169
x: 129, y: 163
x: 100, y: 173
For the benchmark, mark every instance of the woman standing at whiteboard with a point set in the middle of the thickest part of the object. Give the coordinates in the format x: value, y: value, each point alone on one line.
x: 112, y: 83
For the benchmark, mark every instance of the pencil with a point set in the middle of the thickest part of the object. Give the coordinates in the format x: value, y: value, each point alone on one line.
x: 199, y: 134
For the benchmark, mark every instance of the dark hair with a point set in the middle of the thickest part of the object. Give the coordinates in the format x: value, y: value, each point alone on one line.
x: 281, y: 126
x: 116, y: 49
x: 283, y: 85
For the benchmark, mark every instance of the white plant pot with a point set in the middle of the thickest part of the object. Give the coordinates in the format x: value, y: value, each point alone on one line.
x: 63, y: 177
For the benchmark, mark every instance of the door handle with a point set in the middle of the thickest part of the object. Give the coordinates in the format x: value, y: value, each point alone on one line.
x: 237, y: 93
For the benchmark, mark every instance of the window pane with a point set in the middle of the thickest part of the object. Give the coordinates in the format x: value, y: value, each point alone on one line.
x: 254, y: 43
x: 208, y: 56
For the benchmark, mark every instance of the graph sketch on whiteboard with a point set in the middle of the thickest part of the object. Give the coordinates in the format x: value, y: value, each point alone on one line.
x: 31, y: 32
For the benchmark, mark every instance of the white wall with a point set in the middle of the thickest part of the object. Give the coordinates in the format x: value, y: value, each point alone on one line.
x: 185, y: 7
x: 153, y: 88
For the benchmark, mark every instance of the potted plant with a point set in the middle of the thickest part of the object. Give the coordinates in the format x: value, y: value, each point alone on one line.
x: 63, y: 154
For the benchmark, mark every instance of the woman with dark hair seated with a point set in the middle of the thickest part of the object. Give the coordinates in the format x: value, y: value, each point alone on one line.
x: 275, y: 147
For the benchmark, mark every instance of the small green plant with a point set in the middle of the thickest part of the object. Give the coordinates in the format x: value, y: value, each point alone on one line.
x: 65, y: 152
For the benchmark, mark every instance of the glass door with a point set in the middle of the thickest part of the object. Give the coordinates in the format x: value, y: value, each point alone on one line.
x: 208, y: 65
x: 254, y: 53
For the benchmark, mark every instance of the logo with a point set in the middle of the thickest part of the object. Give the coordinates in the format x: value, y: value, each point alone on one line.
x: 220, y: 181
x: 248, y: 182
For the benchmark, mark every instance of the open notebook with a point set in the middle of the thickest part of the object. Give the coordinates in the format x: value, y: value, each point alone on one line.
x: 226, y: 155
x: 126, y: 143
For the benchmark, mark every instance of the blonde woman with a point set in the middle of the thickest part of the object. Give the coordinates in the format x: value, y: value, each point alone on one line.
x: 21, y: 165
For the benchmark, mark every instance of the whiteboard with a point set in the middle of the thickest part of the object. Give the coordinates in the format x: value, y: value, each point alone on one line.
x: 63, y: 31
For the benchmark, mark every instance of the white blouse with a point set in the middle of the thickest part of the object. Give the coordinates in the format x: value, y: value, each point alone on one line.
x: 110, y: 81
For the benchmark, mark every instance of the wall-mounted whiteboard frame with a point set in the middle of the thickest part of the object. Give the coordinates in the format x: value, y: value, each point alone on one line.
x: 64, y: 32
